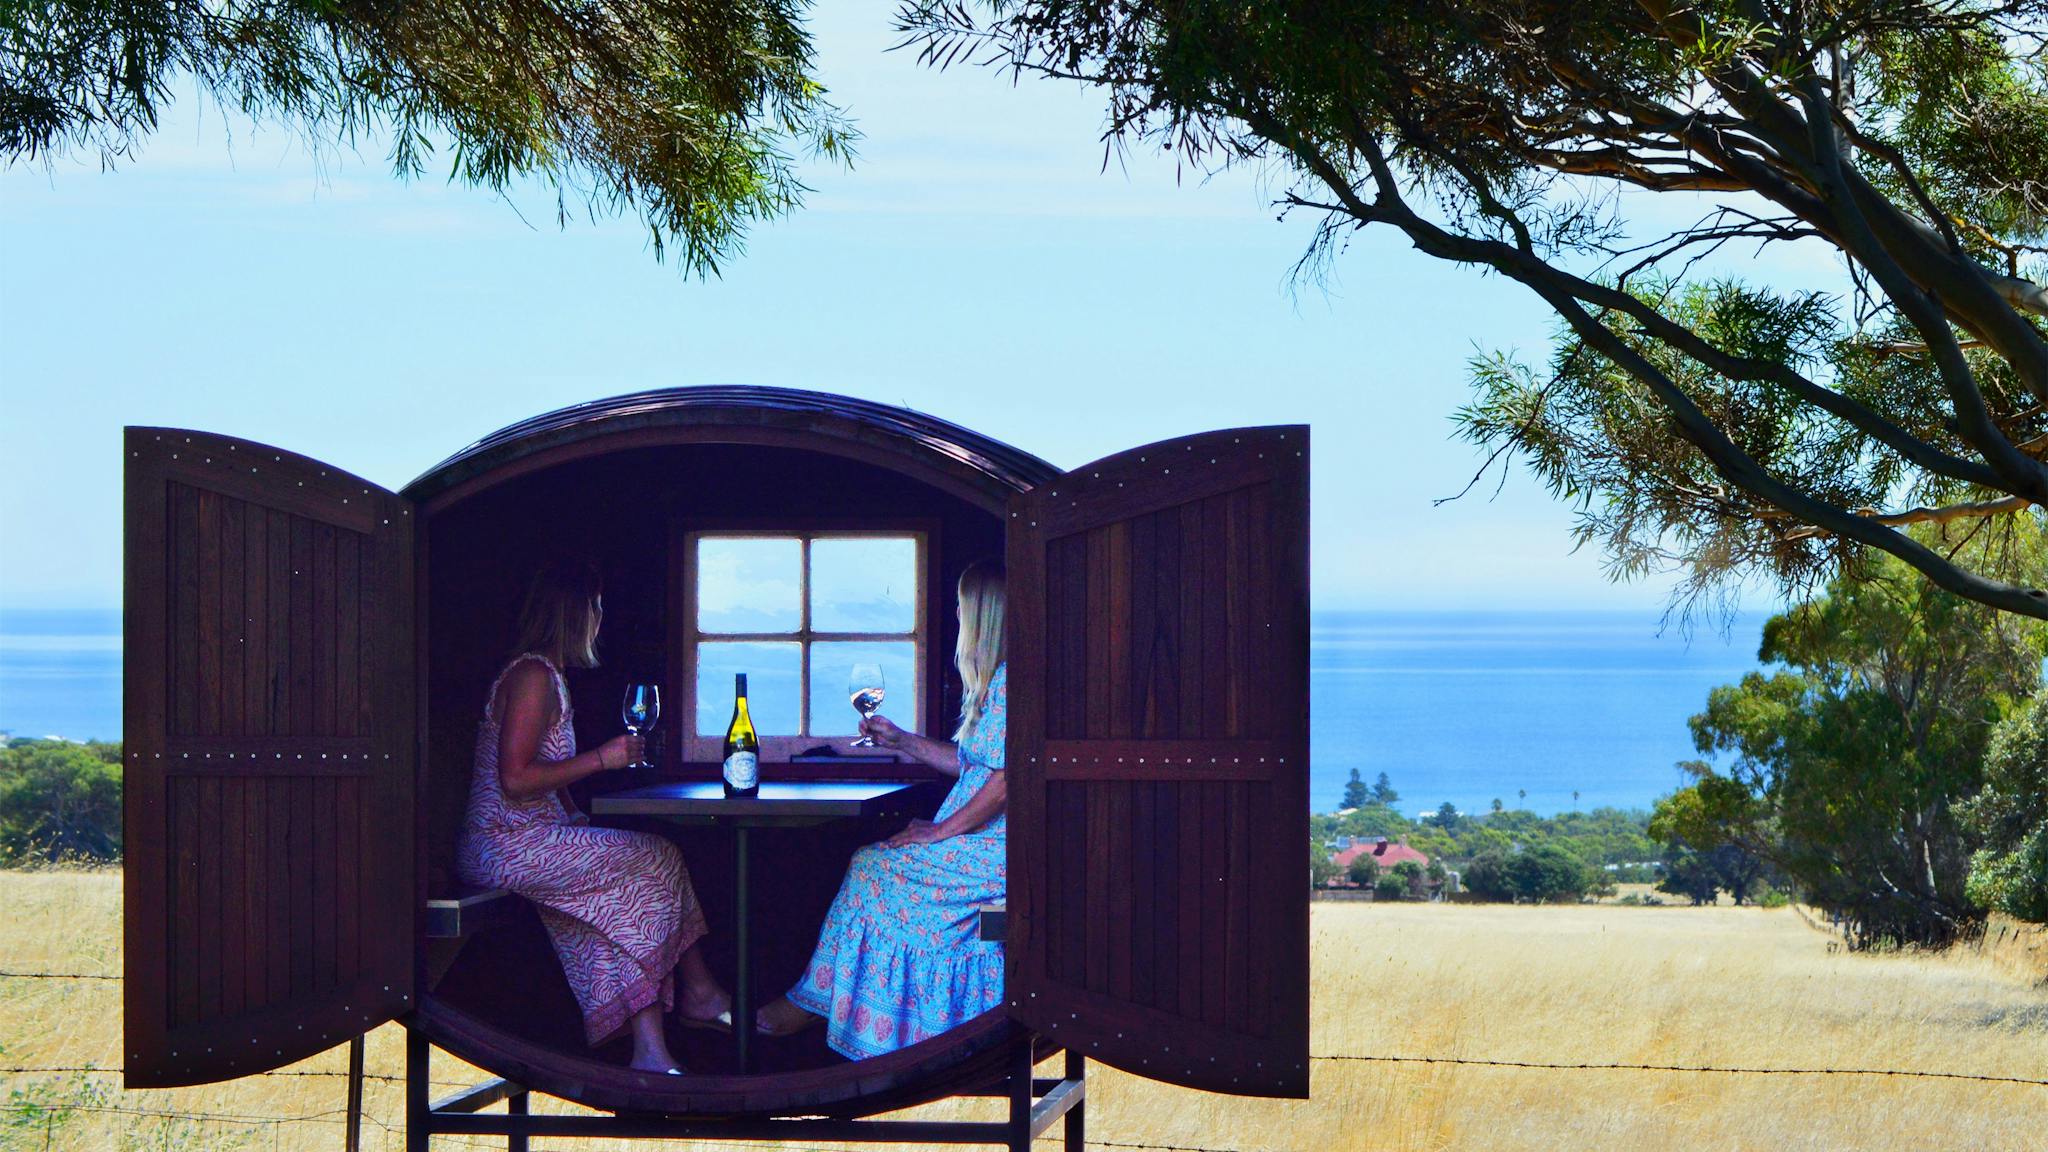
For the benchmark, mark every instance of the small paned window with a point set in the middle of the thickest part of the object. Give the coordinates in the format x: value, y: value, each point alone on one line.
x: 797, y: 612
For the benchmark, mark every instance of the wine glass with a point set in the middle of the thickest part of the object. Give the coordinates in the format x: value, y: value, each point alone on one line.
x: 640, y: 711
x: 866, y: 688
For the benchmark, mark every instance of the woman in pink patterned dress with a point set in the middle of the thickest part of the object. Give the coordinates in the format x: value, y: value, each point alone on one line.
x: 901, y: 956
x: 617, y: 904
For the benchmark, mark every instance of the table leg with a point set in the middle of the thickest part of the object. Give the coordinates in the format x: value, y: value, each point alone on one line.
x: 742, y: 983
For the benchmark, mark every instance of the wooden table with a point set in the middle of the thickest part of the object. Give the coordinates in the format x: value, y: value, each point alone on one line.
x: 779, y: 804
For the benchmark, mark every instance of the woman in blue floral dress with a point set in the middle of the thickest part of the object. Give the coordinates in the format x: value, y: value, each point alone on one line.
x: 900, y: 958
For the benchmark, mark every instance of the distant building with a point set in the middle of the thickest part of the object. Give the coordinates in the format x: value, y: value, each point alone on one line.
x: 1386, y: 854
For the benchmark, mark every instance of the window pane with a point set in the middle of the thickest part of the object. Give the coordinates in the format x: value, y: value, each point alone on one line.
x: 772, y: 674
x: 864, y: 585
x: 749, y: 584
x: 832, y: 711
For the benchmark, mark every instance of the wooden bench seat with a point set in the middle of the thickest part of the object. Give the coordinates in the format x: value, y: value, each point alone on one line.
x: 467, y: 911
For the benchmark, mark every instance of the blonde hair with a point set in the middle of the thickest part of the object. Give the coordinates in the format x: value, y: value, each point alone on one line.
x: 979, y: 651
x: 560, y: 617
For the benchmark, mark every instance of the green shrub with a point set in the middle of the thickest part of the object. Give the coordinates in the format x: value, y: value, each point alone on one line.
x: 2009, y: 873
x: 59, y: 802
x: 1364, y: 872
x: 1541, y: 873
x: 1321, y: 869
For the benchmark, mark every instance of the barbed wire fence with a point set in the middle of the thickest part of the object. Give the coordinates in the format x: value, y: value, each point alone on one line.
x: 338, y: 1115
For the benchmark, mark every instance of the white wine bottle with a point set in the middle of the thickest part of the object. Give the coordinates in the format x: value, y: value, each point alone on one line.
x: 742, y: 747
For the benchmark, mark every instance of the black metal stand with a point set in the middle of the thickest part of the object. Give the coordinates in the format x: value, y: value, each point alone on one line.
x: 1034, y: 1105
x: 743, y: 962
x: 352, y: 1138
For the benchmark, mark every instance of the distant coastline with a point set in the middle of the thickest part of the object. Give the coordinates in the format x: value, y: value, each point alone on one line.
x: 1459, y: 707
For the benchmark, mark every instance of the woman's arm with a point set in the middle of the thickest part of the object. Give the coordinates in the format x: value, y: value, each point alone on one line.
x: 529, y: 708
x: 980, y: 808
x: 938, y: 754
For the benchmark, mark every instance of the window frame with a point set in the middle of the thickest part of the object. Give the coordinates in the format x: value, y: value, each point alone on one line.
x: 778, y: 748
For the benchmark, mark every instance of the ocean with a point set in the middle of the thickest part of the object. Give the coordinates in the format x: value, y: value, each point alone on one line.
x: 1464, y: 707
x: 60, y: 674
x: 1577, y: 709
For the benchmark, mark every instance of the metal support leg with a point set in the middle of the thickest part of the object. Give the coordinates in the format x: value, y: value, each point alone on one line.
x: 417, y: 1083
x: 1077, y: 1070
x: 516, y: 1105
x: 742, y: 981
x: 352, y: 1138
x: 1020, y: 1099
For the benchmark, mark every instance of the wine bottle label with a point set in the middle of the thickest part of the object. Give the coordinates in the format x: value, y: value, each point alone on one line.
x: 741, y: 769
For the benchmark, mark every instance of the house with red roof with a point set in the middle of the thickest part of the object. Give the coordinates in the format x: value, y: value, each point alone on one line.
x: 1385, y: 854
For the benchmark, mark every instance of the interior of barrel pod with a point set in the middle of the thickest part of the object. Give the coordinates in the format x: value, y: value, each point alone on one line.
x: 787, y: 564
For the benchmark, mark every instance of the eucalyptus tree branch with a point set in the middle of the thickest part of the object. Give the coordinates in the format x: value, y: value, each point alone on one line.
x: 2019, y: 471
x: 1524, y: 267
x: 1482, y: 190
x: 1966, y: 288
x: 2021, y: 293
x: 1693, y: 424
x: 1923, y: 514
x: 1743, y: 471
x: 1896, y: 161
x: 1622, y: 165
x: 2022, y: 474
x: 1712, y: 231
x: 1909, y: 347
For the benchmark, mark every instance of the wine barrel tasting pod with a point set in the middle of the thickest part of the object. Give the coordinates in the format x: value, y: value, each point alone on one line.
x: 307, y: 658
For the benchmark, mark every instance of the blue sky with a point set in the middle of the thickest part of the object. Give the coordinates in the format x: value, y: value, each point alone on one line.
x: 976, y: 263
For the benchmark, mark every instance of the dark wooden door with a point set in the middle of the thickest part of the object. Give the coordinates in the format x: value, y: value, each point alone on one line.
x: 1158, y: 761
x: 270, y: 746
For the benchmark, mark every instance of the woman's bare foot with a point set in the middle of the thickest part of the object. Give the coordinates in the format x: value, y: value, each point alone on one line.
x: 700, y: 1001
x: 781, y: 1017
x: 650, y: 1047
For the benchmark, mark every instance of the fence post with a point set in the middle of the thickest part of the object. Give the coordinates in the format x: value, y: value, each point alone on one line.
x: 353, y: 1141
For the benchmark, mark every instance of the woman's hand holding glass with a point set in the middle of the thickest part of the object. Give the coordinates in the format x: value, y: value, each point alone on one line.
x: 886, y: 733
x: 621, y: 751
x: 882, y: 730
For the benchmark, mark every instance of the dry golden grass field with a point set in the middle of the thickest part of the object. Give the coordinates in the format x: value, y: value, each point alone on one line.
x: 1730, y: 987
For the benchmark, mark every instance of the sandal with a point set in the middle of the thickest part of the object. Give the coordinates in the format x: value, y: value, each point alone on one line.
x: 719, y: 1023
x: 789, y: 1025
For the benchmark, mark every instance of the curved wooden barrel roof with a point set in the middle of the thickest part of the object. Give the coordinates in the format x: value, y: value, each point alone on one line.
x: 959, y: 459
